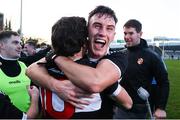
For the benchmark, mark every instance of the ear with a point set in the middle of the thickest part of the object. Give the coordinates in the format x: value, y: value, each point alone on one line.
x: 114, y: 37
x: 1, y: 45
x: 140, y: 34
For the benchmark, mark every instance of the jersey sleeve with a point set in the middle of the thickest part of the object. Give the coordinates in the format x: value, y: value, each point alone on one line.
x: 7, y: 109
x: 111, y: 89
x: 52, y: 68
x: 119, y: 59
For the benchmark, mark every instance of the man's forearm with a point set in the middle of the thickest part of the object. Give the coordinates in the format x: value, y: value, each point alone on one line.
x: 91, y: 79
x: 33, y: 110
x: 39, y: 75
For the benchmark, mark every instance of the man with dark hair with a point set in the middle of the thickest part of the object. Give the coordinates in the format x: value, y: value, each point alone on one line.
x: 107, y: 69
x: 69, y: 35
x: 29, y: 48
x: 29, y: 54
x: 143, y: 65
x: 13, y: 79
x: 103, y: 10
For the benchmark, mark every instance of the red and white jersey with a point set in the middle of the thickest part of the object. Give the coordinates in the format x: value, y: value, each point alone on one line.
x: 54, y: 107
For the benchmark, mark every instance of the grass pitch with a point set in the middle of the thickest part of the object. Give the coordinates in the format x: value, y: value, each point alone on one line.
x: 173, y: 106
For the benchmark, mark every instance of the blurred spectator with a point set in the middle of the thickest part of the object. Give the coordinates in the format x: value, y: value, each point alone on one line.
x: 29, y: 48
x: 41, y: 46
x: 28, y: 60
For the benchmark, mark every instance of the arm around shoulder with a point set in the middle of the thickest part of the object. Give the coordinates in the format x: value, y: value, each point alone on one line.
x: 39, y: 75
x: 88, y: 78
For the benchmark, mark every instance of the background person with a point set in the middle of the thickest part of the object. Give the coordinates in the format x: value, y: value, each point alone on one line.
x: 29, y: 48
x: 143, y: 65
x: 13, y: 79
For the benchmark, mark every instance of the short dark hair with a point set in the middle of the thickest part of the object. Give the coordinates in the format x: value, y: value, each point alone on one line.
x: 134, y: 24
x: 103, y: 10
x: 69, y: 35
x: 43, y: 44
x: 31, y: 43
x: 7, y: 34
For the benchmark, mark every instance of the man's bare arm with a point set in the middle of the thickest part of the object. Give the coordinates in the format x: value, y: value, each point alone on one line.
x: 65, y: 89
x: 40, y: 76
x: 123, y: 98
x: 91, y: 79
x: 33, y: 110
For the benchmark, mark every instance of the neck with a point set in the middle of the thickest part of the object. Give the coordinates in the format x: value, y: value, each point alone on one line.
x: 97, y: 57
x: 94, y: 59
x: 6, y: 58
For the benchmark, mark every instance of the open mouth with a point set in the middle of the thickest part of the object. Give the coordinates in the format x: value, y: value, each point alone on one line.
x: 99, y: 43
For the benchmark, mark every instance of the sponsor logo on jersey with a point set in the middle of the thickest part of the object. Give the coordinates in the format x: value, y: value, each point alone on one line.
x: 14, y: 82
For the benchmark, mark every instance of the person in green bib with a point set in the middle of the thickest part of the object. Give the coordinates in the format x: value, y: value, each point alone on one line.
x: 13, y: 80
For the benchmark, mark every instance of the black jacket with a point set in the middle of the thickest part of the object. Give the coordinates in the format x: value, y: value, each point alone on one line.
x: 7, y: 109
x: 143, y: 65
x: 28, y: 60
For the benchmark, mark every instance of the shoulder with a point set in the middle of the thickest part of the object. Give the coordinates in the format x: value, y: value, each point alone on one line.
x: 117, y: 54
x: 153, y: 56
x: 122, y: 51
x: 1, y: 93
x: 22, y: 64
x: 151, y: 53
x: 119, y: 58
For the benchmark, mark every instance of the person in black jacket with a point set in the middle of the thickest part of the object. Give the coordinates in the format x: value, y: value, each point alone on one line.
x: 143, y: 65
x: 28, y: 60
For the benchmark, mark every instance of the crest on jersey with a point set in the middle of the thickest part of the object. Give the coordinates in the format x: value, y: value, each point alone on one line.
x: 140, y: 61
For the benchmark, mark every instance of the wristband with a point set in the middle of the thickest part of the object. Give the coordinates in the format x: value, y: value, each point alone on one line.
x: 117, y: 91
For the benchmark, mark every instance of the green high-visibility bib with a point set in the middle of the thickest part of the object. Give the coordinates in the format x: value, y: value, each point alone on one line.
x: 15, y: 88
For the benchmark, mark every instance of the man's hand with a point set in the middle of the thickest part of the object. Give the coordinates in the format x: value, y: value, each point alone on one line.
x: 33, y: 109
x: 33, y: 93
x: 70, y: 93
x: 160, y: 114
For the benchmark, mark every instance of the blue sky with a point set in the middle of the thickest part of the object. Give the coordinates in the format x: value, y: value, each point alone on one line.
x: 159, y: 17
